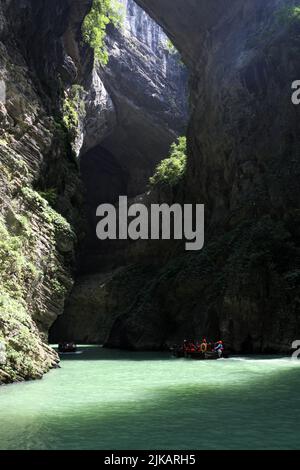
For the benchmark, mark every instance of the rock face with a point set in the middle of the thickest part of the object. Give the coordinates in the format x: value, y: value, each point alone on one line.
x: 148, y: 86
x: 136, y: 108
x: 242, y: 75
x: 37, y: 244
x: 244, y: 165
x: 146, y: 91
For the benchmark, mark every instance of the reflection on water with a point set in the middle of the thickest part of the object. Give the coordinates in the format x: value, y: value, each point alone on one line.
x: 116, y: 400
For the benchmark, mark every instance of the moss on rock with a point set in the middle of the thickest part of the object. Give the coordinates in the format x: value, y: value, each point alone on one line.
x: 26, y: 356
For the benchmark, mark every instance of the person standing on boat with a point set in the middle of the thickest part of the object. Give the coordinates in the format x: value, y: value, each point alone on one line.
x: 219, y: 348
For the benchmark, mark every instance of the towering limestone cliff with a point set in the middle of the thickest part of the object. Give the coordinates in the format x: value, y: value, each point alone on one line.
x: 39, y: 184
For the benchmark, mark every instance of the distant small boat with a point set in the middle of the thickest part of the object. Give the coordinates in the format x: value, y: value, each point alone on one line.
x: 67, y: 348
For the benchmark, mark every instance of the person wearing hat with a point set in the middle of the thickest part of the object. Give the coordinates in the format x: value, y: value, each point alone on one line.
x: 219, y: 348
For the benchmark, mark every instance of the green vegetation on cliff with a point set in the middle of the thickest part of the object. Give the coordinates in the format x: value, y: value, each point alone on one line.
x: 50, y: 195
x: 289, y: 14
x: 20, y: 275
x: 171, y: 170
x: 17, y: 269
x: 21, y: 343
x: 103, y: 13
x: 57, y: 222
x: 33, y: 280
x: 73, y: 109
x: 173, y: 51
x: 171, y: 48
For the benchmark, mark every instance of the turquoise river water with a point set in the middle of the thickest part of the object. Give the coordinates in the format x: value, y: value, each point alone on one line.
x: 114, y: 400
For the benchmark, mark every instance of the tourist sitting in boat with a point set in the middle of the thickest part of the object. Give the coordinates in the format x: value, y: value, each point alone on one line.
x: 193, y: 347
x: 205, y: 346
x: 219, y: 348
x: 210, y: 346
x: 189, y: 347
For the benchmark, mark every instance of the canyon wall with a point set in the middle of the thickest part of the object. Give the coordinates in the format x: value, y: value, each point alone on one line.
x: 40, y: 187
x: 243, y: 163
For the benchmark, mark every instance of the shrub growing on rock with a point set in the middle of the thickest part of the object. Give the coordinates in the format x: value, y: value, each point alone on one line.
x: 171, y: 170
